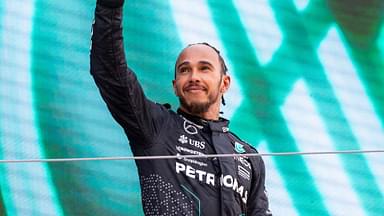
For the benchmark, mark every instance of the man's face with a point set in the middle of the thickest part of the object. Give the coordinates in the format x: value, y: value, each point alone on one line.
x: 199, y: 81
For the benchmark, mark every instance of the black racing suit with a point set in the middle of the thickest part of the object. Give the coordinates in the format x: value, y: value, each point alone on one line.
x: 196, y: 186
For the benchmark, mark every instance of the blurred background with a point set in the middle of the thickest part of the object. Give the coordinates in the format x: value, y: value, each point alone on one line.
x: 307, y: 75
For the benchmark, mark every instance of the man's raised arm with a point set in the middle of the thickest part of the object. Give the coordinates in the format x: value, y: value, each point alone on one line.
x: 118, y: 85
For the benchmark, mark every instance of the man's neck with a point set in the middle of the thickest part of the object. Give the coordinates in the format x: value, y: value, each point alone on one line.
x: 211, y: 114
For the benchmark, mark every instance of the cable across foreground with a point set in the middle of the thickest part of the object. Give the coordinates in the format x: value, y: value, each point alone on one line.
x: 117, y: 158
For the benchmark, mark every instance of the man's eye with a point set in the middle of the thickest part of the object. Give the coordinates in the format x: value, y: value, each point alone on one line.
x: 184, y: 70
x: 204, y: 68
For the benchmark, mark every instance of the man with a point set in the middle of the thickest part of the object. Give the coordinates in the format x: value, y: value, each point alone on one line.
x: 183, y: 186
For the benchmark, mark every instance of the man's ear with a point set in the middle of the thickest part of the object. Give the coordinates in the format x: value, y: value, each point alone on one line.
x: 174, y: 86
x: 226, y: 83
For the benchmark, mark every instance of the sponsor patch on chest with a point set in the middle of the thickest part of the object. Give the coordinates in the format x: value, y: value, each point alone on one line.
x: 211, y: 179
x: 192, y: 142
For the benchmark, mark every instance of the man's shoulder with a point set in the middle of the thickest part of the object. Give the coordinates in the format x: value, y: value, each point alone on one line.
x: 247, y: 146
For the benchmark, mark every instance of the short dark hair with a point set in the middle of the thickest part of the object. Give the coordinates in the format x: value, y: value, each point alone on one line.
x: 224, y: 68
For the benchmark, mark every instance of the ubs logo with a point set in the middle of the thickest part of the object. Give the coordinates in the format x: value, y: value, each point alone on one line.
x: 186, y: 140
x: 183, y: 139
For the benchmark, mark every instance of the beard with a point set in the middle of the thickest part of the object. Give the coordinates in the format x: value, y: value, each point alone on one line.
x: 197, y: 108
x: 200, y: 107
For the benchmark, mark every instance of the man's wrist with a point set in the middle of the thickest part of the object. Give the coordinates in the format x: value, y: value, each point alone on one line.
x: 111, y: 3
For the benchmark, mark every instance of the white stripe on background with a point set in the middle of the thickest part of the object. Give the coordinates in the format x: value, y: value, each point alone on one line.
x: 380, y: 40
x: 261, y: 26
x: 27, y: 188
x: 195, y: 24
x: 310, y: 134
x: 280, y: 202
x: 301, y: 4
x: 354, y: 101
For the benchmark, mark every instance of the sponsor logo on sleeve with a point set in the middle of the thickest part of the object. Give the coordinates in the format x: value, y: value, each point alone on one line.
x: 243, y: 172
x: 239, y: 148
x: 243, y: 161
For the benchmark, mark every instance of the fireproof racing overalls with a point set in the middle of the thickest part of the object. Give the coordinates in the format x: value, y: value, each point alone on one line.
x: 183, y: 186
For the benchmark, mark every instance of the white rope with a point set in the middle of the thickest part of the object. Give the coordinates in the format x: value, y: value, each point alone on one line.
x: 188, y: 156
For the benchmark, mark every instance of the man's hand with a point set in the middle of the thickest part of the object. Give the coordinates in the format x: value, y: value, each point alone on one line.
x: 111, y: 3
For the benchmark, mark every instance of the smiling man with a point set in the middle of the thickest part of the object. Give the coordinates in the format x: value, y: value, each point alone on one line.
x: 200, y: 80
x: 182, y: 186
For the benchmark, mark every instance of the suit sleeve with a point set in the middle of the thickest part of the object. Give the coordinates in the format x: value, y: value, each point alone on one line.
x: 258, y: 204
x: 117, y: 83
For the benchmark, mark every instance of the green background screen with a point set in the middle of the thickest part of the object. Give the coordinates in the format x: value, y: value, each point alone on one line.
x: 307, y: 75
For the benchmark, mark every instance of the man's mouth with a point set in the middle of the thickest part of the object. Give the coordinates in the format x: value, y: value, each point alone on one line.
x: 194, y: 88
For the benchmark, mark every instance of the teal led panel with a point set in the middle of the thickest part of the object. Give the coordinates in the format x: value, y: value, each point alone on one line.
x: 307, y: 75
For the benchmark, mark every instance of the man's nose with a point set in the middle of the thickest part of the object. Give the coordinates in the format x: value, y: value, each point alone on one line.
x: 194, y: 76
